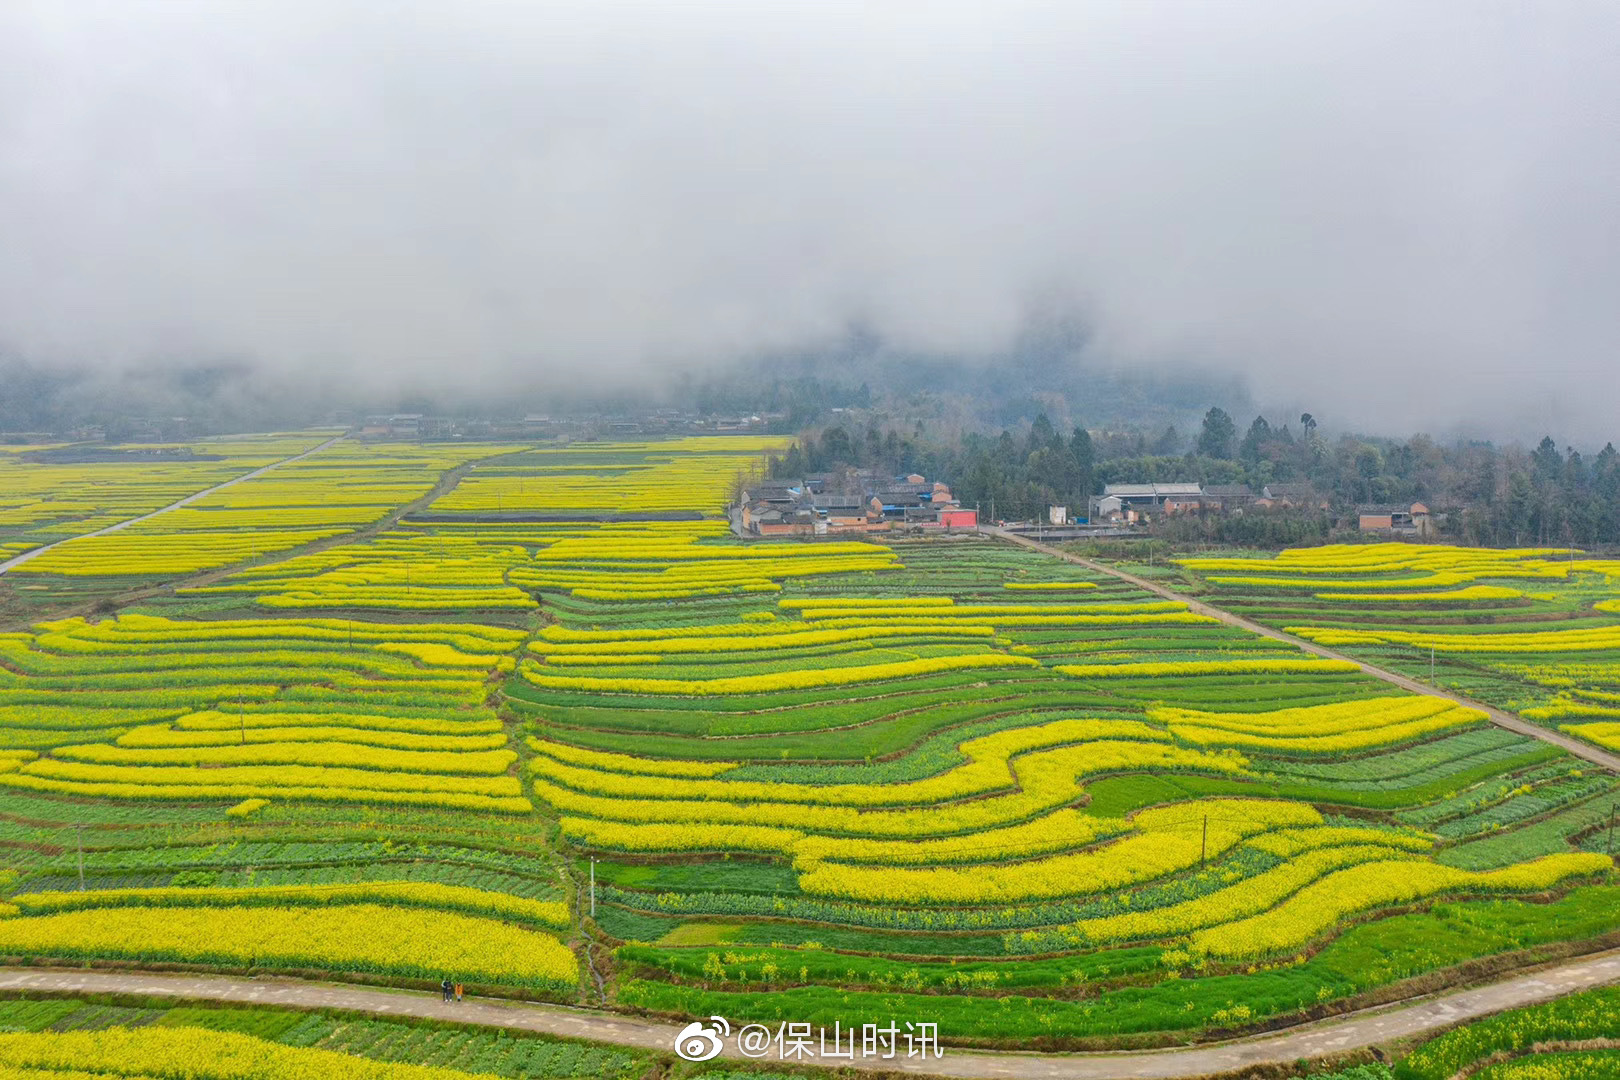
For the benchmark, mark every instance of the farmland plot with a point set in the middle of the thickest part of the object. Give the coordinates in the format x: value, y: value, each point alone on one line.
x: 1535, y: 631
x: 942, y: 780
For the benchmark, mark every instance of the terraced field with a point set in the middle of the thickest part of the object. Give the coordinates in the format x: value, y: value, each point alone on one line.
x: 945, y: 781
x: 1571, y: 1039
x: 207, y: 778
x: 108, y: 541
x: 47, y: 1039
x: 1563, y: 1039
x: 1117, y: 790
x: 44, y: 502
x: 1534, y: 631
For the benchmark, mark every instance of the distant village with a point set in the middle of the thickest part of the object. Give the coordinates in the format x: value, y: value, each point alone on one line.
x: 858, y: 501
x: 1136, y: 504
x: 869, y: 501
x: 854, y: 501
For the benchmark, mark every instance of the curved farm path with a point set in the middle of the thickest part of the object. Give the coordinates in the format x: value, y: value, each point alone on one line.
x: 187, y: 501
x: 1358, y: 1031
x: 1405, y: 682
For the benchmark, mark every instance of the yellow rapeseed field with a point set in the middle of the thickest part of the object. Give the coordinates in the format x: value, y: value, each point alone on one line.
x: 190, y: 1053
x: 346, y: 937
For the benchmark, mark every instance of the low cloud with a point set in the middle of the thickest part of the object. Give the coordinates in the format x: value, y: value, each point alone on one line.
x: 1403, y: 215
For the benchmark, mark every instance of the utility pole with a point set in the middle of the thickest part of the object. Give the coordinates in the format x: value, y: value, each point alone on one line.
x: 593, y: 886
x: 1203, y: 851
x: 80, y: 829
x: 1612, y: 810
x: 1431, y: 666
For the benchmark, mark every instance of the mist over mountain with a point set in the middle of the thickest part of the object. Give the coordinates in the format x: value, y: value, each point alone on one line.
x: 1398, y: 217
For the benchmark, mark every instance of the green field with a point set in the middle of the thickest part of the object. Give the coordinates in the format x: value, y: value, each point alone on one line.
x: 836, y: 781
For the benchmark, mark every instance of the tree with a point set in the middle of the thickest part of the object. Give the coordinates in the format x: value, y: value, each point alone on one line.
x: 1041, y: 434
x: 1051, y: 472
x: 1085, y: 461
x: 793, y: 462
x: 837, y: 448
x: 1493, y: 495
x: 1168, y: 443
x: 1218, y: 439
x: 1369, y: 466
x: 739, y: 484
x: 1308, y: 422
x: 874, y: 444
x: 1259, y: 434
x: 1547, y: 462
x: 895, y: 455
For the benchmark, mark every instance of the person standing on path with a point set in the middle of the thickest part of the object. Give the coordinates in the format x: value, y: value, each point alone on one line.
x: 445, y: 987
x: 459, y: 989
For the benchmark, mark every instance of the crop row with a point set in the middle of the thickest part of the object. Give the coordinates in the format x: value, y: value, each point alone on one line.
x: 1321, y: 729
x: 400, y: 894
x: 1365, y: 957
x: 499, y: 794
x: 348, y: 937
x: 796, y: 680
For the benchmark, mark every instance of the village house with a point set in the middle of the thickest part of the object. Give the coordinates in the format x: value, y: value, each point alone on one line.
x: 1130, y: 503
x: 772, y: 522
x: 1296, y: 496
x: 841, y: 511
x: 1413, y: 520
x: 1232, y: 498
x: 767, y: 508
x: 870, y: 502
x: 405, y: 426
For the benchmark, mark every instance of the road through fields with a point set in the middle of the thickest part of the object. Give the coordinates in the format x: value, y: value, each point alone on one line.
x: 35, y: 553
x: 1328, y: 1038
x: 1497, y: 716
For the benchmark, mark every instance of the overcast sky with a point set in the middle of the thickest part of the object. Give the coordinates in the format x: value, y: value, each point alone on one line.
x: 1405, y: 211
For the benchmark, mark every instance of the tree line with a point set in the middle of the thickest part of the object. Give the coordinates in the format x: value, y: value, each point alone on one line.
x: 1003, y: 476
x: 1487, y: 494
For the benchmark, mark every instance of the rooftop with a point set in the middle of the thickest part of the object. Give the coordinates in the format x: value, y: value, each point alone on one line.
x: 1157, y: 491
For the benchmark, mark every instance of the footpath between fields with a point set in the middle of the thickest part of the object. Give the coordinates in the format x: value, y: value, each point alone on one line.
x: 1323, y: 1040
x: 80, y: 608
x: 1497, y: 716
x: 119, y: 526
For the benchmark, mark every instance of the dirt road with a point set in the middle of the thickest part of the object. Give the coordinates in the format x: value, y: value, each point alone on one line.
x: 187, y: 501
x: 446, y: 482
x: 1358, y: 1031
x: 1405, y: 682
